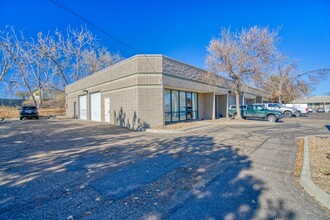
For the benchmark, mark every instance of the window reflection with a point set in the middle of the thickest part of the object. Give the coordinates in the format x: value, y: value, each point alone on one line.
x: 180, y: 105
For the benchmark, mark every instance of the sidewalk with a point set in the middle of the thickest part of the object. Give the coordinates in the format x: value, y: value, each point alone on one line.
x: 182, y: 127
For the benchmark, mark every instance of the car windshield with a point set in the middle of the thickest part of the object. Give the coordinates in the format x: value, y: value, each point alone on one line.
x: 28, y: 108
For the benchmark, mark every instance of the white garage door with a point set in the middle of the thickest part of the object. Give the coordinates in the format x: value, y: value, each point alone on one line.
x: 96, y: 106
x: 82, y: 107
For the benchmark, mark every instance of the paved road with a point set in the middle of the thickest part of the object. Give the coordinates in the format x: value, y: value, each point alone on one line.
x: 61, y: 169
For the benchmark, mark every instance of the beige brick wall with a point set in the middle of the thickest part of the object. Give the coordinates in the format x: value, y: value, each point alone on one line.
x: 70, y: 106
x: 131, y: 87
x: 135, y: 88
x: 206, y: 106
x: 221, y: 105
x: 123, y: 107
x: 151, y: 107
x: 180, y: 69
x: 259, y: 99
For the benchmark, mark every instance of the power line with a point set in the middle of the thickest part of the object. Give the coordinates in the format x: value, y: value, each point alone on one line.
x: 66, y: 8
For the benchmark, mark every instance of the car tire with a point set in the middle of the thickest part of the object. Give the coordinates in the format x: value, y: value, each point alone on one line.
x: 37, y: 117
x: 21, y: 118
x: 287, y: 114
x: 234, y: 116
x: 271, y: 118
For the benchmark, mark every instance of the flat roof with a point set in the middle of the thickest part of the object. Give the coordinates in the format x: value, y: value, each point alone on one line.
x: 312, y: 99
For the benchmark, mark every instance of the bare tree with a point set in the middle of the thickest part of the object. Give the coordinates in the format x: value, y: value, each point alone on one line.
x: 30, y: 65
x: 22, y: 74
x: 287, y: 83
x: 6, y: 60
x: 77, y: 54
x: 22, y: 95
x: 39, y: 65
x: 243, y: 56
x: 93, y: 60
x: 49, y: 61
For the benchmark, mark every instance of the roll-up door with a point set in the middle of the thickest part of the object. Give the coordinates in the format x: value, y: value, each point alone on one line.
x: 96, y: 106
x: 82, y: 107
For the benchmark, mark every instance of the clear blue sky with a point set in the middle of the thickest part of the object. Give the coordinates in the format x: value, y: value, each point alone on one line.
x: 183, y: 29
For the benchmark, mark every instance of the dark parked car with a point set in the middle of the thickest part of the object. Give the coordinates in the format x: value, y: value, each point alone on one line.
x: 320, y: 110
x: 28, y: 112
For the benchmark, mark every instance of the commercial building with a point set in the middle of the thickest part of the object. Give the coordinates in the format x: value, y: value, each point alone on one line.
x: 315, y: 102
x: 151, y: 90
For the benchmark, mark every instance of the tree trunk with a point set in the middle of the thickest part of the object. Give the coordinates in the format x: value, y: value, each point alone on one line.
x: 40, y: 97
x: 238, y: 108
x: 280, y: 99
x: 32, y: 96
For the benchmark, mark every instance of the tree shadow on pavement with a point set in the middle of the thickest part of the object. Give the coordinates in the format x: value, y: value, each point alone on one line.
x: 327, y: 127
x: 52, y: 172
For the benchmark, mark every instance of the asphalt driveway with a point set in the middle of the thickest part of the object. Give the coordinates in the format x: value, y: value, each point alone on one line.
x: 73, y: 169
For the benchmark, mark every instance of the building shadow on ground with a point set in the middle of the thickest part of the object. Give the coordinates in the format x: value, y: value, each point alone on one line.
x: 54, y: 169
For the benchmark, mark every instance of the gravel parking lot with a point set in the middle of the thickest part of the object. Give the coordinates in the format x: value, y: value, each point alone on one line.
x: 71, y: 169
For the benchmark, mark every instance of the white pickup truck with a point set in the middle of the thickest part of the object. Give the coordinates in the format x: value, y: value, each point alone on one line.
x: 287, y: 111
x: 302, y: 108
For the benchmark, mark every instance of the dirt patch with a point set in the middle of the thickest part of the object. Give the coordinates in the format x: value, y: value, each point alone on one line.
x: 299, y: 158
x: 56, y: 111
x: 13, y: 112
x: 319, y: 153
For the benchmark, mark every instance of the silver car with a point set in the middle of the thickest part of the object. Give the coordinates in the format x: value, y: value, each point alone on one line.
x: 287, y: 111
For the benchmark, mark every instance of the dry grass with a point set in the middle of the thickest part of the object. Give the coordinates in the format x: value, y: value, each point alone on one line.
x: 299, y: 158
x: 319, y: 150
x: 55, y: 111
x: 9, y: 112
x: 12, y: 112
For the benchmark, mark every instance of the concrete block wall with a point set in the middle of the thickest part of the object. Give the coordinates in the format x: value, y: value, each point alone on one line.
x: 150, y: 106
x: 222, y: 105
x: 259, y: 100
x: 128, y: 85
x: 136, y: 86
x: 206, y: 106
x: 186, y: 71
x: 123, y: 107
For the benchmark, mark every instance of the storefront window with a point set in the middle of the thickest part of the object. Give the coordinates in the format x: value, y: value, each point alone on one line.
x: 167, y: 101
x: 194, y: 105
x: 167, y: 104
x: 180, y: 105
x: 175, y: 105
x: 189, y: 106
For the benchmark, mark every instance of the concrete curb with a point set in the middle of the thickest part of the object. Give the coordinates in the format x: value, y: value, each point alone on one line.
x: 184, y: 130
x: 308, y: 184
x: 158, y: 131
